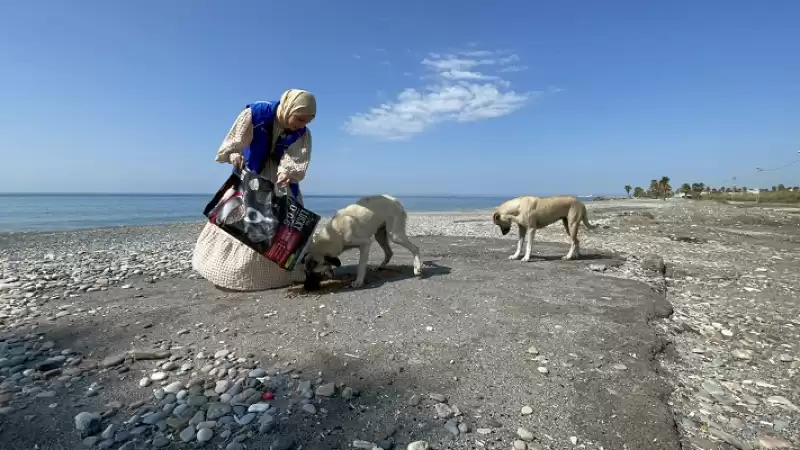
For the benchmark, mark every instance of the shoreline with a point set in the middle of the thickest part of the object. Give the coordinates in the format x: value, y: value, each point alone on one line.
x: 592, y: 205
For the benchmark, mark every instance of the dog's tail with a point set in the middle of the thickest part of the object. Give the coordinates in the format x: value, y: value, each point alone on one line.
x: 586, y: 220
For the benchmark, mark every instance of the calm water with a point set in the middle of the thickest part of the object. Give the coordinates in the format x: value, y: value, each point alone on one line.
x: 49, y: 212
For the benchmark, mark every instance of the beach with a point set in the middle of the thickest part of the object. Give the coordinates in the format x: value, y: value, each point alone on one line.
x: 679, y: 328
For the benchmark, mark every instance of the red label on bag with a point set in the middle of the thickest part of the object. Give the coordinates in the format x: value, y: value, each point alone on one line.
x: 285, y: 245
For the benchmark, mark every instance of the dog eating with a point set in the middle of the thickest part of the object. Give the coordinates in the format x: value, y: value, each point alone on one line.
x: 380, y: 216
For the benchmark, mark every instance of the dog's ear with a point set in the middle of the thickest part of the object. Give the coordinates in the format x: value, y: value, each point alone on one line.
x: 334, y: 261
x: 496, y: 217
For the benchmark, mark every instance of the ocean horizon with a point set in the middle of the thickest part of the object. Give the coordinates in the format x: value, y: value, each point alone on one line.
x: 25, y: 212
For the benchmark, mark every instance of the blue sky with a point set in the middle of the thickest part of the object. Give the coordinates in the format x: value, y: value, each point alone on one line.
x: 414, y: 97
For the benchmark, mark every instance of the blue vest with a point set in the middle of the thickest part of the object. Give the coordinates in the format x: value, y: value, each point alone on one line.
x: 259, y: 151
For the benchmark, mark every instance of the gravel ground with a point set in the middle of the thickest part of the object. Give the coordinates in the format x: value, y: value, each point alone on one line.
x: 108, y: 340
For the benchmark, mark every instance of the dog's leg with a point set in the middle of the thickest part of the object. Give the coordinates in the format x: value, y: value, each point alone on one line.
x: 529, y: 245
x: 363, y: 259
x: 574, y: 247
x: 397, y: 231
x: 522, y: 232
x: 383, y: 240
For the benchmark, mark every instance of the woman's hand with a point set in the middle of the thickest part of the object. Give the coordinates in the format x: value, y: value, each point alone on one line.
x: 283, y: 180
x: 236, y: 160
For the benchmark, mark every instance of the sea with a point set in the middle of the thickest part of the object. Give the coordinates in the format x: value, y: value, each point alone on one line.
x: 54, y: 212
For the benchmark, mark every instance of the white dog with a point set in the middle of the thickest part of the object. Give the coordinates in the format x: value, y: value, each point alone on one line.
x: 381, y: 216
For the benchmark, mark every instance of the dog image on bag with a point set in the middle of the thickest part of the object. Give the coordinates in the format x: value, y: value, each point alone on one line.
x: 532, y: 213
x: 354, y: 226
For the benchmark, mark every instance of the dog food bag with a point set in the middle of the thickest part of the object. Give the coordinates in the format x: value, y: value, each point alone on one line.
x: 273, y: 224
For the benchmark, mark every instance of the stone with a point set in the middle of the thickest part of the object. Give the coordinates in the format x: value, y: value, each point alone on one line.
x: 526, y: 411
x: 744, y: 355
x: 419, y: 445
x: 217, y: 410
x: 769, y: 443
x: 174, y: 387
x: 524, y: 434
x: 282, y: 443
x: 520, y: 445
x: 158, y: 376
x: 204, y: 435
x: 111, y: 361
x: 88, y: 423
x: 188, y: 434
x: 442, y: 411
x: 452, y: 427
x: 363, y: 444
x: 326, y: 390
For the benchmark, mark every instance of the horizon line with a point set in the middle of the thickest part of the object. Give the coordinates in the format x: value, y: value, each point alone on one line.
x: 186, y: 194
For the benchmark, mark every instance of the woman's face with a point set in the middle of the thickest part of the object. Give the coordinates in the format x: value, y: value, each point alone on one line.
x: 297, y: 122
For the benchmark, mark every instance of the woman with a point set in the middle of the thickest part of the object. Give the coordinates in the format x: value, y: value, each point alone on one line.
x: 275, y: 142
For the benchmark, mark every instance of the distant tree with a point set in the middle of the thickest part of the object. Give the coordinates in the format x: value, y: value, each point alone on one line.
x: 685, y: 188
x: 654, y: 188
x: 628, y: 189
x: 664, y: 185
x: 638, y: 192
x: 774, y: 188
x: 781, y: 187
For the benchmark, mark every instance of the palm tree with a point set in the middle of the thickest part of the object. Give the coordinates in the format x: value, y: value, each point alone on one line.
x: 628, y: 189
x: 654, y: 188
x: 665, y: 187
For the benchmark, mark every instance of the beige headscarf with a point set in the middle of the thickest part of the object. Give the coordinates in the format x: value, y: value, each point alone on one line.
x: 296, y: 102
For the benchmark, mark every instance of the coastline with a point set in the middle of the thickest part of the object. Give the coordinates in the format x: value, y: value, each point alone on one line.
x: 730, y: 276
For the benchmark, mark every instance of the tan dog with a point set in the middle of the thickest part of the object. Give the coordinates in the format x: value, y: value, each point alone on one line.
x: 532, y: 213
x: 382, y: 216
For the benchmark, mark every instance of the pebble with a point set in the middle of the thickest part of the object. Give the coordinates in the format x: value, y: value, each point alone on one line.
x: 204, y: 435
x: 524, y: 434
x: 526, y: 411
x: 419, y: 445
x: 188, y: 434
x: 159, y: 376
x: 87, y: 423
x: 520, y: 445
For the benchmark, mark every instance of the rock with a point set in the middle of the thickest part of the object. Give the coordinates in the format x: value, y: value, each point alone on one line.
x: 217, y: 410
x: 309, y: 408
x: 144, y: 382
x: 419, y: 445
x: 364, y: 444
x: 258, y: 407
x: 598, y: 267
x: 160, y: 441
x: 769, y: 443
x: 234, y: 446
x: 326, y: 390
x: 526, y: 411
x: 221, y: 354
x: 620, y: 366
x: 414, y: 400
x: 204, y: 435
x: 452, y: 427
x: 257, y: 373
x: 438, y: 398
x: 188, y: 434
x: 282, y: 443
x: 744, y: 355
x: 729, y: 438
x: 174, y: 387
x: 111, y: 361
x: 520, y: 445
x: 222, y: 386
x: 524, y: 434
x: 158, y: 376
x: 442, y: 411
x: 88, y: 423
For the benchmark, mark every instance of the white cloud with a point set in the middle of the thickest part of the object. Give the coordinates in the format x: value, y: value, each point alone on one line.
x: 465, y: 87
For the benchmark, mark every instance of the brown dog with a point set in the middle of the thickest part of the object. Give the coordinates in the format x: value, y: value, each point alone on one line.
x: 532, y: 213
